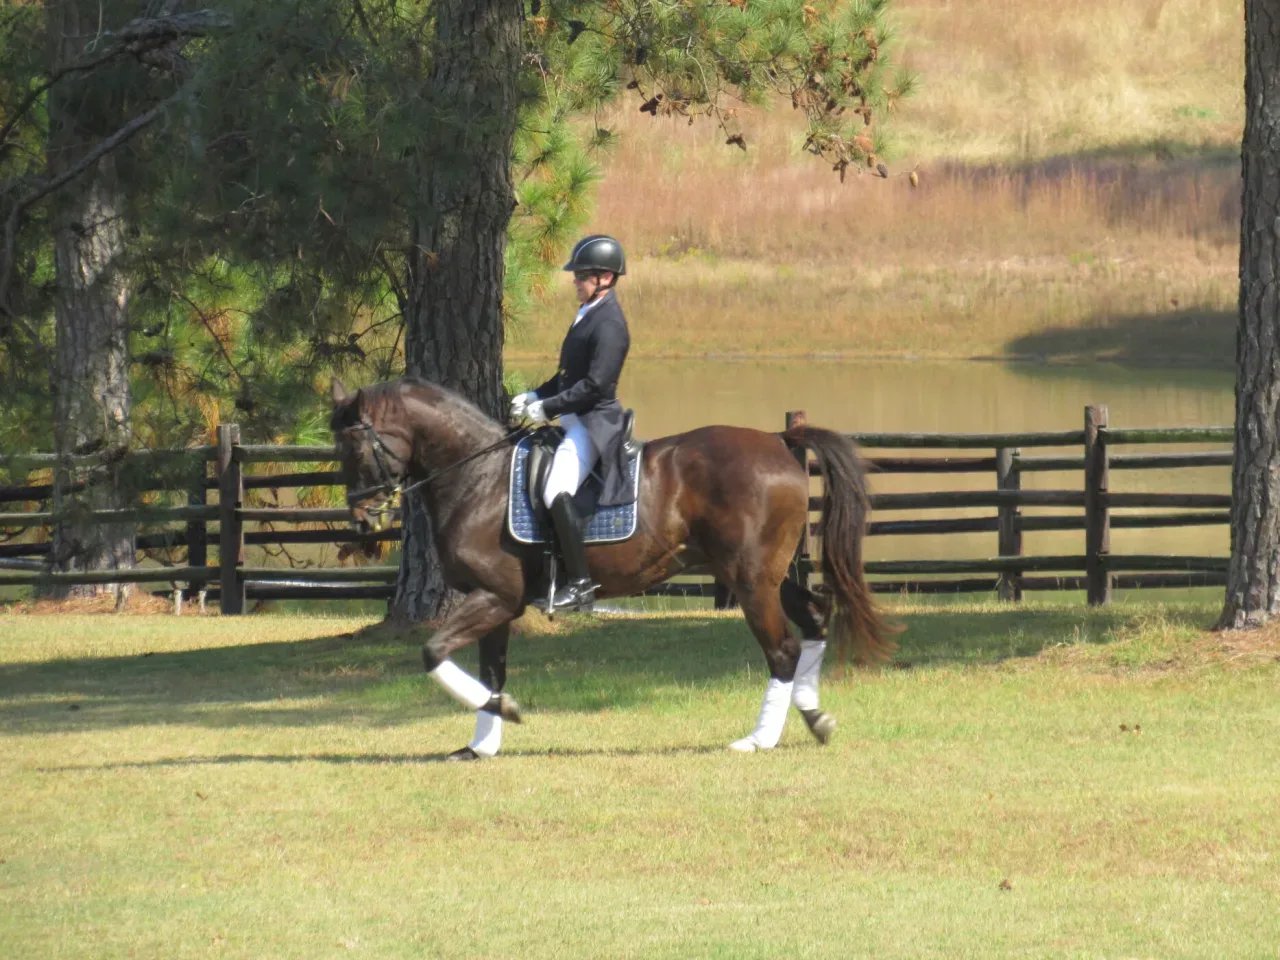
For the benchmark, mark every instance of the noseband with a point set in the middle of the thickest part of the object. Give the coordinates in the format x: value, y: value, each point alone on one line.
x: 391, y: 485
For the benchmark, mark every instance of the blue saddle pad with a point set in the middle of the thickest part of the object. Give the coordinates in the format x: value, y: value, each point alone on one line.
x: 607, y: 524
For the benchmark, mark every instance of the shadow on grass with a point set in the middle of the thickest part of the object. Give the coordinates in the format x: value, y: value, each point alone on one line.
x: 365, y: 679
x: 381, y: 759
x: 595, y: 665
x: 1201, y: 338
x: 984, y: 637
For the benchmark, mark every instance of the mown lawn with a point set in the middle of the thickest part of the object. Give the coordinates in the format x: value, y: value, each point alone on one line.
x: 1043, y: 781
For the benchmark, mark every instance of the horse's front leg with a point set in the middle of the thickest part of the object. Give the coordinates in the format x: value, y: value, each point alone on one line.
x: 479, y: 615
x: 487, y: 740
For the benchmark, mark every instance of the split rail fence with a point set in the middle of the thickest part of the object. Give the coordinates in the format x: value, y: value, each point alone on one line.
x: 181, y: 525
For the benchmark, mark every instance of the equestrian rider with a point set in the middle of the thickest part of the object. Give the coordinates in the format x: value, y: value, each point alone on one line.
x: 584, y: 395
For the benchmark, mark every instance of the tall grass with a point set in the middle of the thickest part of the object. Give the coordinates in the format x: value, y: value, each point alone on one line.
x: 1077, y: 167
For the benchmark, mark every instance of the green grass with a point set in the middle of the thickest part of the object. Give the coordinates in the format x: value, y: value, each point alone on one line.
x: 1036, y: 781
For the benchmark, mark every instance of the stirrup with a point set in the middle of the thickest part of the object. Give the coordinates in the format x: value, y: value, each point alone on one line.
x: 576, y: 595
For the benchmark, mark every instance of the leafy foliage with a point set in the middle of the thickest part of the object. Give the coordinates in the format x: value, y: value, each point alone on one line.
x: 273, y: 210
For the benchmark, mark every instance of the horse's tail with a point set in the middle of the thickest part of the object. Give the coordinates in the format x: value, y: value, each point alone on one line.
x: 854, y: 623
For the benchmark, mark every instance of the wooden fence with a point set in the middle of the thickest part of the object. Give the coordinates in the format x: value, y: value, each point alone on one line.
x: 179, y: 522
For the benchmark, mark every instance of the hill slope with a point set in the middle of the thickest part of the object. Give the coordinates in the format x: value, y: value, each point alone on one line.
x: 1078, y: 197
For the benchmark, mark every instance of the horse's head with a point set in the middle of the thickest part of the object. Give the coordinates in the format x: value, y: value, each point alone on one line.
x: 374, y: 459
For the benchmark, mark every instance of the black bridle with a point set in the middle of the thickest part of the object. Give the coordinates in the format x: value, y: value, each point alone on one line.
x: 392, y: 483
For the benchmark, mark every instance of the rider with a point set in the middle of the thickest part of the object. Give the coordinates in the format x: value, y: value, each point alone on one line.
x: 584, y: 395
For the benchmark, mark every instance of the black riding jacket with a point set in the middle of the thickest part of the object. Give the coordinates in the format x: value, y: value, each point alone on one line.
x: 586, y: 384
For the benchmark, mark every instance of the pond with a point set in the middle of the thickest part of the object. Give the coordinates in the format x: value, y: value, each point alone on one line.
x: 670, y: 396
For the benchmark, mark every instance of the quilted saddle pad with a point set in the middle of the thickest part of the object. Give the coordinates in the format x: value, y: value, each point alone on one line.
x: 607, y: 524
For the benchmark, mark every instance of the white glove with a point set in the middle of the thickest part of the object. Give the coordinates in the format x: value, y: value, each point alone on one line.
x: 535, y: 412
x: 519, y: 404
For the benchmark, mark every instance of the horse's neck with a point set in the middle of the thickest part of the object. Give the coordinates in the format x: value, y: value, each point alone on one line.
x: 445, y: 436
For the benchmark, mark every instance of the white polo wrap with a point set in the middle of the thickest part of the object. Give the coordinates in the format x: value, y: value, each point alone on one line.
x: 488, y: 738
x: 463, y: 687
x: 805, y: 693
x: 773, y: 717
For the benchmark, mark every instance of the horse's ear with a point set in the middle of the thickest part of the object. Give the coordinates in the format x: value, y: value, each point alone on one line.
x: 338, y: 391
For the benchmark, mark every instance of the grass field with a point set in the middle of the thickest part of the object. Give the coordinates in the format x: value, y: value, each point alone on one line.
x: 1039, y: 781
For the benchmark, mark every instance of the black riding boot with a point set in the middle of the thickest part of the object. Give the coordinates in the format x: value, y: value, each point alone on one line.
x: 579, y: 593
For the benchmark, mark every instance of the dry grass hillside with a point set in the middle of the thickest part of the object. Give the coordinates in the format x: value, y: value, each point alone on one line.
x: 1078, y: 197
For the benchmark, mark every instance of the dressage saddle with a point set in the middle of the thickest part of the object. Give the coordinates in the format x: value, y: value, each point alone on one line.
x: 543, y: 451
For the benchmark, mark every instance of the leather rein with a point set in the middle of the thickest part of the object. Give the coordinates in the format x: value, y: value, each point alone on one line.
x: 393, y: 486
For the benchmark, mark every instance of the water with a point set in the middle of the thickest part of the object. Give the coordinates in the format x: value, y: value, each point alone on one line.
x: 953, y: 397
x: 919, y: 397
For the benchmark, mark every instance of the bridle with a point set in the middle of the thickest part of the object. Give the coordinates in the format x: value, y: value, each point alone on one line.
x: 392, y: 484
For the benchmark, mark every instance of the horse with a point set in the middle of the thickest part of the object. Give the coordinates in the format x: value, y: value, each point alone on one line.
x: 727, y: 500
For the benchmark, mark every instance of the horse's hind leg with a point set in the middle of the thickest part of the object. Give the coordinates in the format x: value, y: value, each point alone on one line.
x: 765, y: 618
x: 487, y: 740
x: 802, y: 609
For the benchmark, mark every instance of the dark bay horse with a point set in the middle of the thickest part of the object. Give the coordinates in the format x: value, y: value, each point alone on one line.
x: 725, y: 500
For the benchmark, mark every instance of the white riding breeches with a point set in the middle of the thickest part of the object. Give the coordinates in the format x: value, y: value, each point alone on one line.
x: 572, y: 461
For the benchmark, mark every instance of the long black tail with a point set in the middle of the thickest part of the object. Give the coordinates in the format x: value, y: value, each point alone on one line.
x: 854, y: 623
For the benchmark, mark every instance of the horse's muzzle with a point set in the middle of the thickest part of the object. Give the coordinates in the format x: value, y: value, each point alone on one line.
x: 374, y: 514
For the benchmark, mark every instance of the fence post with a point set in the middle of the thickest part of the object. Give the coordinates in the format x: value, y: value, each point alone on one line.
x: 230, y: 529
x: 197, y: 530
x: 1009, y: 521
x: 1097, y: 517
x: 802, y: 563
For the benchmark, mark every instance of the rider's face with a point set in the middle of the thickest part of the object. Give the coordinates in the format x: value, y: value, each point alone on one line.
x: 590, y: 283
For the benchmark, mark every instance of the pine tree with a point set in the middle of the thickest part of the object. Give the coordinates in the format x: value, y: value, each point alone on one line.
x: 74, y: 93
x: 1253, y: 576
x: 410, y: 165
x: 367, y: 186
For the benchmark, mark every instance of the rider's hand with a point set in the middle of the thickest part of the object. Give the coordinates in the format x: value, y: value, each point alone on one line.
x: 520, y: 404
x: 535, y: 412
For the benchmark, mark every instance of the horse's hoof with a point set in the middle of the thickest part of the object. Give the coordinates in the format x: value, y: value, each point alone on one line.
x: 508, y: 709
x: 821, y: 724
x: 503, y: 705
x: 462, y: 756
x: 745, y: 745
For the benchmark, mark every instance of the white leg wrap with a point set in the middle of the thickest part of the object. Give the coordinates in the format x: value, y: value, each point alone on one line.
x: 805, y: 693
x: 773, y: 717
x: 488, y: 739
x: 463, y: 687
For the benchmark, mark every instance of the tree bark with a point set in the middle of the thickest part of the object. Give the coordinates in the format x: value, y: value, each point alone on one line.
x: 465, y: 198
x: 1253, y: 575
x: 90, y: 379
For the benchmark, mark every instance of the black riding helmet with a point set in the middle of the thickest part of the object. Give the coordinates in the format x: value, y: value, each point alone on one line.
x: 598, y: 252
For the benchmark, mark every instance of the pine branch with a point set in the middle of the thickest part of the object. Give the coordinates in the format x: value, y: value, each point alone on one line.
x: 46, y: 187
x: 137, y: 38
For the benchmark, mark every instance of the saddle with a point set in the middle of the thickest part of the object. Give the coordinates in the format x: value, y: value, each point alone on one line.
x: 542, y: 451
x: 527, y: 518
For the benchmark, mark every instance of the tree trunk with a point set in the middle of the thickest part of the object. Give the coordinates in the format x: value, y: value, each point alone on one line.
x: 465, y: 198
x: 1254, y: 572
x: 90, y: 379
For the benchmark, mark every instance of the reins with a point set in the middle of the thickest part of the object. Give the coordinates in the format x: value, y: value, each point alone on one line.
x: 393, y: 487
x: 518, y: 432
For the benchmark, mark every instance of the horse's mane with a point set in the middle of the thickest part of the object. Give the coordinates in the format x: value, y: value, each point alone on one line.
x: 388, y: 399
